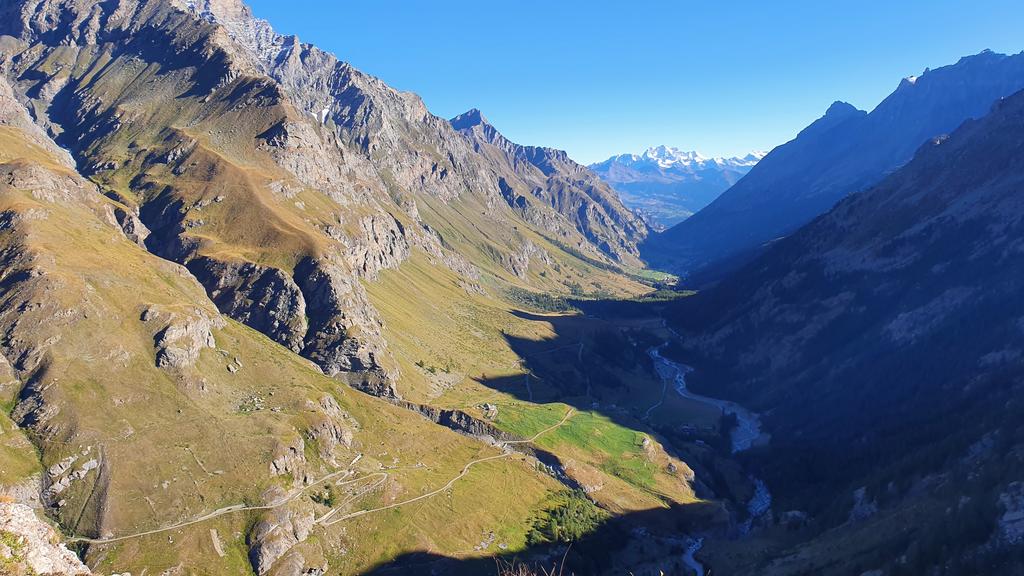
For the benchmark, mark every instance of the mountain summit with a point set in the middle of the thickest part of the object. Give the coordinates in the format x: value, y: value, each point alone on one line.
x: 468, y: 119
x: 548, y: 178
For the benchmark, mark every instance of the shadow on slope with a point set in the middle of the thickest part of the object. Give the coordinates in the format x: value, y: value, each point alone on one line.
x: 642, y: 542
x: 598, y: 361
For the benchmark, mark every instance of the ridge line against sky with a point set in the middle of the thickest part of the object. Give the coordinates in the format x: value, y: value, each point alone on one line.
x: 598, y: 79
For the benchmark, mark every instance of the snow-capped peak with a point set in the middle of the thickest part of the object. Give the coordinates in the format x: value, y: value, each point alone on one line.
x: 670, y: 156
x: 667, y: 156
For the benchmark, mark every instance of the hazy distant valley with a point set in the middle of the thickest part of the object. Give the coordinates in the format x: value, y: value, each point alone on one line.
x: 263, y: 314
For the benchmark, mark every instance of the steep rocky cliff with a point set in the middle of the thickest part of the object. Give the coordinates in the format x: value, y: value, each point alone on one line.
x: 555, y: 181
x: 281, y: 177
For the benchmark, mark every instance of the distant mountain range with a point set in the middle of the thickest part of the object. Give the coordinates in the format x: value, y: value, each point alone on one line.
x: 666, y: 185
x: 845, y: 151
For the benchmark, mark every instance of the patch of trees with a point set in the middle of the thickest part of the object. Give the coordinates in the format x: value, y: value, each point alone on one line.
x: 540, y: 301
x: 572, y: 518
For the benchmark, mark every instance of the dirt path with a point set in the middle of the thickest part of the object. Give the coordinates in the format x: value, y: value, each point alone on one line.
x: 465, y: 470
x: 217, y: 513
x: 661, y: 400
x: 297, y: 493
x: 568, y: 414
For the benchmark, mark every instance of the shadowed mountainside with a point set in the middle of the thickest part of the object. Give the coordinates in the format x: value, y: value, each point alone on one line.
x: 845, y: 151
x: 884, y: 343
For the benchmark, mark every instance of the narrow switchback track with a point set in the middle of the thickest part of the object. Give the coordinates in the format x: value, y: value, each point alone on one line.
x: 344, y: 473
x: 465, y: 470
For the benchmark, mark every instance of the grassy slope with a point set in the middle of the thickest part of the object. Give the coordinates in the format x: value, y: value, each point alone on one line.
x: 459, y: 338
x: 179, y: 446
x: 430, y: 318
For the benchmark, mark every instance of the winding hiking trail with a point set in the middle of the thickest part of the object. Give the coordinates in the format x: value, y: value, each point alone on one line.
x: 344, y: 473
x: 220, y: 512
x: 465, y: 470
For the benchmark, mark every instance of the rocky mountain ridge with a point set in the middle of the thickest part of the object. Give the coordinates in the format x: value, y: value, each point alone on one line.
x: 556, y: 181
x: 845, y: 151
x: 344, y: 175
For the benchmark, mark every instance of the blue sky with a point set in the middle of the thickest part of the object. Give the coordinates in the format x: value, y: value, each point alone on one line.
x: 598, y: 78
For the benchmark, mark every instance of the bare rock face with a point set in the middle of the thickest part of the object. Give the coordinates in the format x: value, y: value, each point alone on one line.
x: 180, y: 341
x: 7, y: 375
x: 1011, y: 523
x: 552, y: 180
x: 68, y: 471
x: 345, y: 334
x: 382, y: 244
x: 33, y: 545
x: 276, y: 534
x: 863, y: 506
x: 519, y: 262
x: 332, y: 427
x: 131, y: 225
x: 289, y: 459
x: 13, y: 114
x: 261, y: 297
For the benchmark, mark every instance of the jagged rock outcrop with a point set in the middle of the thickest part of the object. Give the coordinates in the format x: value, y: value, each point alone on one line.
x: 60, y: 476
x: 183, y: 337
x: 131, y: 225
x: 261, y: 297
x: 31, y: 545
x: 289, y: 459
x: 337, y: 307
x: 461, y: 422
x: 274, y: 536
x: 330, y: 428
x: 552, y: 178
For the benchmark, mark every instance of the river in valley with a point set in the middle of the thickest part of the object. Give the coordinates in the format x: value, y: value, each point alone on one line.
x: 745, y: 434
